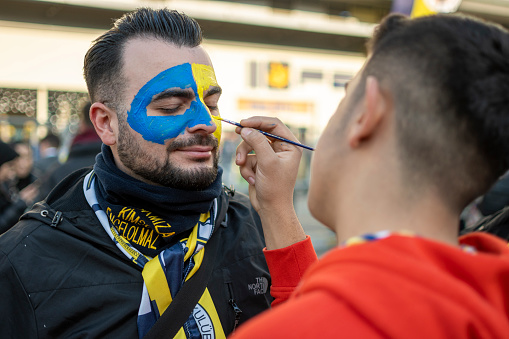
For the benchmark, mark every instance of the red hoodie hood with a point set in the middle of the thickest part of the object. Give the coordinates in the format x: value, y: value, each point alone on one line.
x: 411, y: 287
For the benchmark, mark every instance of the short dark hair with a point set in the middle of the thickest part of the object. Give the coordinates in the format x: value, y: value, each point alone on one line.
x: 449, y: 75
x: 103, y: 61
x: 52, y: 140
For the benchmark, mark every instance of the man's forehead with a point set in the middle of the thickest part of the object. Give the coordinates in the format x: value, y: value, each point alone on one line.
x: 143, y: 59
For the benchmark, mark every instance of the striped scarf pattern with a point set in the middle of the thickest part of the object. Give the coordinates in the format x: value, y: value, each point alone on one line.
x: 163, y: 275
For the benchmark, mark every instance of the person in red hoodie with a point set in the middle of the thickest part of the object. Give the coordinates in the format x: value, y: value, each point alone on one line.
x: 423, y: 130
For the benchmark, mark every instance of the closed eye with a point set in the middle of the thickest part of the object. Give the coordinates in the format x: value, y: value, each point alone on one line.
x: 172, y: 109
x: 211, y: 98
x: 171, y: 101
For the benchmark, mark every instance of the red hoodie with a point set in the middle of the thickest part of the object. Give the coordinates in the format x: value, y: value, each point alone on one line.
x: 396, y: 287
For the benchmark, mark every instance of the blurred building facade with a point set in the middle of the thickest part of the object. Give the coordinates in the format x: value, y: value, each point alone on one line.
x: 42, y: 87
x: 284, y: 58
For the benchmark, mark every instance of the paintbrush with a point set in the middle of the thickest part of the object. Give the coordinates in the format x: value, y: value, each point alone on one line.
x: 266, y: 133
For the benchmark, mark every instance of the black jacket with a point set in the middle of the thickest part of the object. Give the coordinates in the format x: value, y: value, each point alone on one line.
x: 496, y: 224
x: 11, y: 205
x: 496, y: 198
x: 61, y: 276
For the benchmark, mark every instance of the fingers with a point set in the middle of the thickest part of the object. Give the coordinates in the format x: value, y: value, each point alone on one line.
x: 257, y: 142
x: 243, y: 149
x: 271, y: 170
x: 267, y: 124
x: 271, y: 125
x: 248, y: 170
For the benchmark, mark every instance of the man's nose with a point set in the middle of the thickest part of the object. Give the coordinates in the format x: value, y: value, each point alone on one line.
x: 202, y: 121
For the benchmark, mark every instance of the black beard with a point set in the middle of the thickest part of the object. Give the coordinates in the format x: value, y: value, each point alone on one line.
x: 167, y: 174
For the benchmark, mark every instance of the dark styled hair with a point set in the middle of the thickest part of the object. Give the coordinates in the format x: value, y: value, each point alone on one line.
x: 449, y: 75
x: 103, y: 61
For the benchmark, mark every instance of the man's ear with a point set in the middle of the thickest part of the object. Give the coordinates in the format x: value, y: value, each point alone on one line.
x: 370, y: 117
x: 105, y: 123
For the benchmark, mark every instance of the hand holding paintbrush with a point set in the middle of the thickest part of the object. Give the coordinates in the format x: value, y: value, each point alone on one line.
x: 271, y: 170
x: 266, y: 133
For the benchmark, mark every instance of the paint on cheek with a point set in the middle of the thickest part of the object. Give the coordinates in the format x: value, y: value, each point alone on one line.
x: 205, y: 77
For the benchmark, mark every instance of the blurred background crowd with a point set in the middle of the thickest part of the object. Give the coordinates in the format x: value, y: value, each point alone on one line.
x: 285, y: 58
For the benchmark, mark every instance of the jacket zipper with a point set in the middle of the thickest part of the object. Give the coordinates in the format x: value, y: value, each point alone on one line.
x: 233, y: 304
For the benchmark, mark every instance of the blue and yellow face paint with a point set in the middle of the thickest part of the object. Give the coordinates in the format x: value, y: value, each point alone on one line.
x: 158, y: 129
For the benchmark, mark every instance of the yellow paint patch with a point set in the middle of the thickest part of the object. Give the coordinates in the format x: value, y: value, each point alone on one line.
x: 205, y: 77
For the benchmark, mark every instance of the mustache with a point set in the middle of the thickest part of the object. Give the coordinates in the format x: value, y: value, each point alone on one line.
x: 195, y: 140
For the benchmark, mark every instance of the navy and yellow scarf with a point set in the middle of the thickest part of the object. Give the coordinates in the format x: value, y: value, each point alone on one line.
x: 150, y: 217
x: 162, y: 230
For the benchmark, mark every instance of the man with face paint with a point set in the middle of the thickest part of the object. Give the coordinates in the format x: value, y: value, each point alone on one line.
x: 115, y: 248
x: 179, y: 99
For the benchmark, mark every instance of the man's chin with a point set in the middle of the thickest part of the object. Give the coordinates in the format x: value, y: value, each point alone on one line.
x: 194, y: 177
x: 179, y: 172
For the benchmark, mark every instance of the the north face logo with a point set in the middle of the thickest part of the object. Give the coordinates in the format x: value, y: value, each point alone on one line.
x: 260, y: 286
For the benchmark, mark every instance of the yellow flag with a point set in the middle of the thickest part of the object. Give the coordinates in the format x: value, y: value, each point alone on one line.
x: 430, y: 7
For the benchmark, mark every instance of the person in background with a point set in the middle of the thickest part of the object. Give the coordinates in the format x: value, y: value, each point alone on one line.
x: 23, y: 165
x: 84, y: 148
x: 13, y: 200
x: 490, y: 212
x: 486, y: 206
x: 48, y: 155
x: 423, y: 129
x: 148, y: 243
x: 497, y: 196
x: 7, y: 172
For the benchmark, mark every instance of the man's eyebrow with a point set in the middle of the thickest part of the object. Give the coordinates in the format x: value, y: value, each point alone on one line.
x: 174, y: 92
x: 213, y: 90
